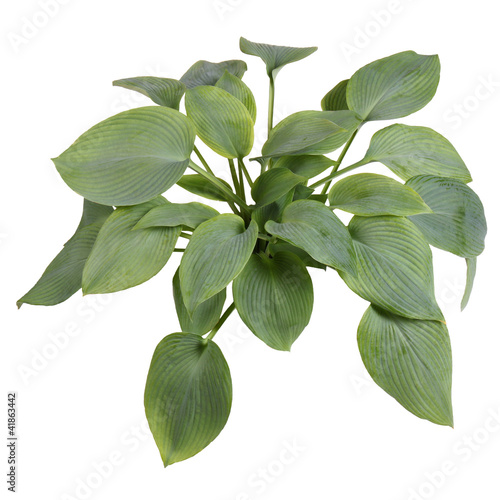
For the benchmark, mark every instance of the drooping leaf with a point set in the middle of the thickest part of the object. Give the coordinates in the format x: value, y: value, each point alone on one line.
x: 394, y: 267
x: 336, y: 99
x: 163, y: 91
x: 188, y: 395
x: 273, y: 184
x: 240, y: 90
x: 129, y: 158
x: 312, y: 226
x: 222, y: 122
x: 121, y: 257
x: 411, y: 360
x: 63, y: 276
x: 373, y: 194
x: 410, y: 151
x: 199, y: 185
x: 177, y: 214
x: 394, y: 86
x: 275, y: 56
x: 457, y: 224
x: 274, y: 297
x: 217, y: 252
x: 206, y: 315
x: 283, y: 246
x: 207, y: 73
x: 471, y: 274
x: 307, y: 166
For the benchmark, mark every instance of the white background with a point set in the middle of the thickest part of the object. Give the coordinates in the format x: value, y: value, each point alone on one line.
x: 84, y: 406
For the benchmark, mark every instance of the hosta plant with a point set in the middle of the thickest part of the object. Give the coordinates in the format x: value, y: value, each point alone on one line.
x: 282, y: 220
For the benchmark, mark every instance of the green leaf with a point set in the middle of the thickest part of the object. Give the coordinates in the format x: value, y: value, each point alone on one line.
x: 177, y: 214
x: 240, y: 90
x: 63, y: 276
x: 188, y: 395
x: 121, y: 257
x: 411, y: 151
x: 129, y: 158
x: 411, y: 360
x: 208, y: 73
x: 471, y: 274
x: 217, y: 252
x: 205, y: 317
x: 275, y: 56
x: 394, y: 267
x: 222, y: 122
x: 307, y: 166
x: 302, y: 192
x: 272, y: 211
x: 283, y: 246
x: 201, y: 186
x: 316, y: 229
x: 273, y: 184
x: 394, y: 86
x: 163, y: 91
x: 372, y: 194
x: 336, y: 99
x: 274, y: 297
x: 457, y: 224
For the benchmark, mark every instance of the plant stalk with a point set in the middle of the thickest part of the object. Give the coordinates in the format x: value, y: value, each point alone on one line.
x: 221, y: 321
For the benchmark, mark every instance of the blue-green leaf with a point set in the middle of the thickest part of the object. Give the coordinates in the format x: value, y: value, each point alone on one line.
x: 307, y: 166
x: 208, y: 73
x: 240, y: 90
x: 273, y: 184
x: 471, y: 274
x: 336, y: 99
x: 201, y: 186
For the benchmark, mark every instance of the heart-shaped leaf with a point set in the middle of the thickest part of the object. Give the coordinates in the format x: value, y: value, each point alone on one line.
x: 222, y: 122
x: 307, y: 166
x: 274, y: 297
x: 273, y: 184
x: 201, y: 186
x: 411, y: 360
x: 471, y: 274
x: 394, y: 267
x: 240, y: 90
x: 275, y: 56
x: 63, y: 276
x: 121, y: 257
x: 129, y: 158
x: 188, y: 395
x: 394, y: 86
x: 313, y: 227
x: 217, y: 252
x: 411, y: 151
x: 163, y: 91
x: 373, y: 194
x: 457, y: 224
x: 336, y: 99
x: 208, y: 73
x: 205, y: 317
x: 177, y: 214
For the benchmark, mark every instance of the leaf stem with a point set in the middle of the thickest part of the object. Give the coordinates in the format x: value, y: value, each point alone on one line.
x: 271, y: 105
x: 234, y: 176
x: 203, y: 161
x: 338, y: 173
x: 179, y: 249
x: 221, y: 321
x: 185, y: 235
x: 263, y: 236
x: 245, y: 171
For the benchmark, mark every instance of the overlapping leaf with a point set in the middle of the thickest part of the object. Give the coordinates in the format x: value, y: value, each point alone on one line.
x: 240, y: 90
x: 336, y: 99
x: 307, y: 166
x: 208, y: 73
x: 201, y: 186
x: 274, y: 184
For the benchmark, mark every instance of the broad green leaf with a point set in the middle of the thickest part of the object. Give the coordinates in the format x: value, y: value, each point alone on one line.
x: 207, y: 73
x: 217, y: 252
x: 307, y: 166
x: 129, y: 158
x: 273, y: 184
x: 336, y: 99
x: 199, y: 185
x: 274, y: 298
x: 240, y: 90
x: 457, y: 224
x: 222, y: 122
x: 394, y: 267
x: 410, y: 151
x: 177, y: 214
x: 163, y: 91
x: 312, y: 226
x: 275, y: 56
x: 63, y: 276
x: 471, y: 274
x: 373, y: 194
x: 411, y: 360
x: 205, y: 317
x: 302, y: 192
x: 188, y: 395
x: 121, y: 257
x: 272, y: 211
x: 394, y: 86
x: 283, y: 246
